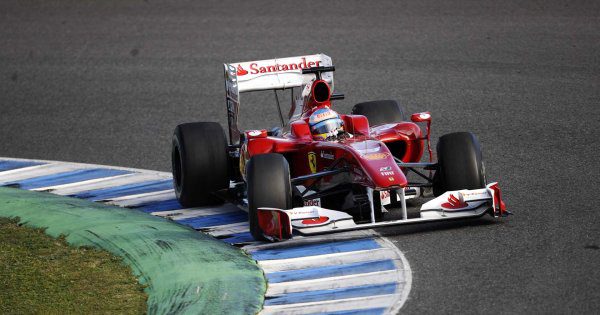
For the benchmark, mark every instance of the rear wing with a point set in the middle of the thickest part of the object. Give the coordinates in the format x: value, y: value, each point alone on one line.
x: 272, y: 74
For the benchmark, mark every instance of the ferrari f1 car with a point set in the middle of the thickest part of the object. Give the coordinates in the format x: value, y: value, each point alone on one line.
x: 321, y: 172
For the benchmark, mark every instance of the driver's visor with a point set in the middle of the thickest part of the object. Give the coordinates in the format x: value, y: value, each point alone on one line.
x: 327, y: 126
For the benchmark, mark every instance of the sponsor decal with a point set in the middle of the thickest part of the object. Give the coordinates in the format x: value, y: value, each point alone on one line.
x: 424, y: 116
x: 389, y: 173
x: 312, y: 161
x: 319, y: 220
x: 384, y: 194
x: 385, y: 197
x: 255, y: 68
x: 322, y: 114
x: 327, y: 155
x: 391, y: 178
x: 241, y: 71
x: 312, y: 202
x: 302, y: 212
x: 385, y: 168
x: 476, y: 194
x: 375, y: 156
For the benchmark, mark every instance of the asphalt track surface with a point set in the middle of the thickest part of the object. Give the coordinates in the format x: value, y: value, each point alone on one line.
x: 106, y: 82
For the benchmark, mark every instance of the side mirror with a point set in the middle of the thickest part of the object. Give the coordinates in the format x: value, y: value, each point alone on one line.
x: 425, y: 117
x: 421, y: 117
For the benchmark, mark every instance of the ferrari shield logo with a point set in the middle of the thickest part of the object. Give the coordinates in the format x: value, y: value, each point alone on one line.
x: 312, y: 161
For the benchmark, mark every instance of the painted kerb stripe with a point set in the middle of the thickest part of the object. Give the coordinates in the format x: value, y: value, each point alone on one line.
x: 340, y: 274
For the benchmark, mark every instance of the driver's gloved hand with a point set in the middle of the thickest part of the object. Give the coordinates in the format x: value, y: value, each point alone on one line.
x: 342, y: 135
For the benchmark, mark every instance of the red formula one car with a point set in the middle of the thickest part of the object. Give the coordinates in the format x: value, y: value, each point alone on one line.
x: 320, y: 171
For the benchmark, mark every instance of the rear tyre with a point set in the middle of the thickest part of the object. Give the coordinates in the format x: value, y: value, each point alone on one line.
x: 269, y: 185
x: 380, y: 112
x: 199, y: 163
x: 460, y: 163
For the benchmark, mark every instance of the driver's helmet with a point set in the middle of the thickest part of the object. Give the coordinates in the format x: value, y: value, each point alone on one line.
x: 325, y: 124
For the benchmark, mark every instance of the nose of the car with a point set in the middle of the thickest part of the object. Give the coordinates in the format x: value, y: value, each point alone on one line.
x: 378, y: 163
x: 383, y: 170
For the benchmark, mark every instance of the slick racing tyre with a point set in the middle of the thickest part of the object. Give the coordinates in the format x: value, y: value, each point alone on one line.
x: 380, y: 112
x: 269, y: 185
x: 199, y: 163
x: 460, y: 163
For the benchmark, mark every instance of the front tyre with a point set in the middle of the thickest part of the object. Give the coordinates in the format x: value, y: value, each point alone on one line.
x: 460, y: 163
x: 269, y: 185
x: 199, y: 163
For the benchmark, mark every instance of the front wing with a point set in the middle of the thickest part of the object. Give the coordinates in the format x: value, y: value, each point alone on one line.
x: 279, y: 224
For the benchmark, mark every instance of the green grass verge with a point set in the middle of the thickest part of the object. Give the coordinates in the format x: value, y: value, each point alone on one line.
x: 183, y: 271
x: 40, y: 274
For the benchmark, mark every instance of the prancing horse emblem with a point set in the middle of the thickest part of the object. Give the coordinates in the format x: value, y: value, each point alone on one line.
x: 312, y: 161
